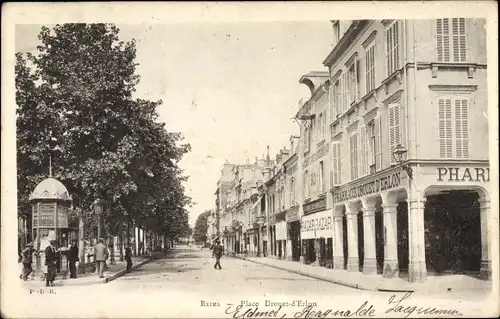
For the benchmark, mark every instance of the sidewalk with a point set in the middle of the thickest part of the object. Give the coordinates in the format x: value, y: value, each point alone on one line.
x: 111, y: 273
x: 433, y: 284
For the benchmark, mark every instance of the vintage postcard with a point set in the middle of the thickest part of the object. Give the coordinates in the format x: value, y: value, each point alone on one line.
x: 250, y: 160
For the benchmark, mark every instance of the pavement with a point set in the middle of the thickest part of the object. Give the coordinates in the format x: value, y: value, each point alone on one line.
x: 433, y: 284
x: 112, y: 272
x: 184, y: 284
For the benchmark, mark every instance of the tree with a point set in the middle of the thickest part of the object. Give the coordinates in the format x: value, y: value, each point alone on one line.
x: 201, y: 227
x: 74, y: 103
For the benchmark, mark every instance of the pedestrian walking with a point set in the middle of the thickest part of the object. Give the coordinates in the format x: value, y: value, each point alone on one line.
x: 27, y: 259
x: 101, y: 254
x: 217, y: 253
x: 51, y: 259
x: 72, y: 259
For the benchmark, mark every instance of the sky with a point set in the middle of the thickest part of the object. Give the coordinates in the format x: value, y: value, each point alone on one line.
x: 230, y: 88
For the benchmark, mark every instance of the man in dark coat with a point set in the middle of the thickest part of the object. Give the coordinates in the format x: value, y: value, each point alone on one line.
x: 128, y: 257
x: 72, y: 259
x: 27, y: 259
x: 217, y: 253
x: 51, y: 258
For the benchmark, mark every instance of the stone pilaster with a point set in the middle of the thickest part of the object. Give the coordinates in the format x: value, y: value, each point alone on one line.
x: 338, y: 243
x: 417, y: 269
x: 370, y: 259
x: 485, y: 239
x: 352, y: 239
x: 391, y: 266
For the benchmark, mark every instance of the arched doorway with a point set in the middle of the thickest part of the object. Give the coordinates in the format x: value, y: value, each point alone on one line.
x: 453, y: 232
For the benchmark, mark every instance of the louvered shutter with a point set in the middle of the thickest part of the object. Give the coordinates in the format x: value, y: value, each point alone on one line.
x: 379, y: 143
x: 363, y: 150
x: 443, y: 40
x: 462, y: 40
x: 439, y: 39
x: 459, y: 40
x: 392, y: 131
x: 445, y: 128
x: 339, y: 162
x: 388, y: 40
x: 461, y: 129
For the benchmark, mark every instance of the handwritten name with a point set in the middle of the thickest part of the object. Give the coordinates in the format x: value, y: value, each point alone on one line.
x: 397, y: 306
x: 253, y: 312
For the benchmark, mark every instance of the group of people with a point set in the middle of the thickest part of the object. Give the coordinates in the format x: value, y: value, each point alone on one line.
x: 101, y: 254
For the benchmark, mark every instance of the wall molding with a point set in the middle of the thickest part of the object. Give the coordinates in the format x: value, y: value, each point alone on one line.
x: 369, y: 39
x: 452, y: 88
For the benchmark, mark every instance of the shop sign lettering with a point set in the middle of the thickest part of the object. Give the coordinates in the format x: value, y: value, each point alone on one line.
x: 375, y: 186
x: 458, y: 174
x: 315, y: 206
x: 322, y: 151
x: 319, y: 223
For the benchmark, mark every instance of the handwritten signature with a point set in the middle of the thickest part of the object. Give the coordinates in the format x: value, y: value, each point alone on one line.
x: 396, y: 306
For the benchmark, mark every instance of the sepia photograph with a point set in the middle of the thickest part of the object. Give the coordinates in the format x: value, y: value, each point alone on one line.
x: 250, y: 160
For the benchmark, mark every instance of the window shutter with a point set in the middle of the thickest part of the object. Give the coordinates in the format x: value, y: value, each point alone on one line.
x: 392, y: 131
x: 363, y: 152
x: 339, y: 162
x: 462, y: 39
x: 445, y: 128
x: 379, y: 143
x: 439, y: 38
x: 443, y: 40
x: 461, y: 129
x: 388, y: 41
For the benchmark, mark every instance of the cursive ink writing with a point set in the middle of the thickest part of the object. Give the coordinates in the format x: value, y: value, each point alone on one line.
x: 253, y: 312
x: 313, y: 312
x: 397, y: 306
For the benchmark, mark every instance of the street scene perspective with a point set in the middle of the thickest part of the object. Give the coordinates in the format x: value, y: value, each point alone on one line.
x: 379, y: 191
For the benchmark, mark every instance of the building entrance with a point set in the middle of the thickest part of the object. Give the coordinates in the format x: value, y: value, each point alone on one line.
x: 453, y: 232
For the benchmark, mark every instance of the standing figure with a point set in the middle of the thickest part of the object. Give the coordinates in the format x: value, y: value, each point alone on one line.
x: 217, y: 253
x: 101, y: 254
x: 73, y: 258
x: 128, y: 257
x: 51, y: 263
x: 27, y: 259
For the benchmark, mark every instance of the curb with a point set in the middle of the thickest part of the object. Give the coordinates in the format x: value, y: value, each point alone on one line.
x: 360, y: 286
x: 348, y: 284
x: 124, y: 271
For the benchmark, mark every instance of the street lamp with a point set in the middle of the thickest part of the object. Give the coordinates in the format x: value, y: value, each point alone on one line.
x: 98, y: 209
x: 399, y: 153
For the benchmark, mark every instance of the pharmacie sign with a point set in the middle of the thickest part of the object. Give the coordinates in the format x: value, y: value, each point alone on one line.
x: 380, y: 184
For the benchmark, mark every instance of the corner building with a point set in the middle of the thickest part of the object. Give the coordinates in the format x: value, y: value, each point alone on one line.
x: 407, y: 129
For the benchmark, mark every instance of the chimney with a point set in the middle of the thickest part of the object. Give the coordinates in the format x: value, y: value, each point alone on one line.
x: 267, y: 156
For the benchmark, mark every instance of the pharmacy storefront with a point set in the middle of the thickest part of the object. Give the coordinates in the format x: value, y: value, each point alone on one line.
x: 317, y: 234
x: 455, y: 211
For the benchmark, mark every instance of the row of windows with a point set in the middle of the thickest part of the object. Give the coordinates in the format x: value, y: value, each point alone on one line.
x: 365, y: 143
x: 314, y: 179
x: 451, y: 46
